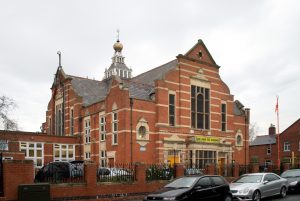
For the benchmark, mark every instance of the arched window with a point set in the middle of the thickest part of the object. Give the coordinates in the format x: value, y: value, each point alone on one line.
x: 239, y: 140
x: 200, y: 108
x: 142, y: 132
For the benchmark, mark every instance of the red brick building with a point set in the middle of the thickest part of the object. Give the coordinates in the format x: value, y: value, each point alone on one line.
x: 39, y: 147
x: 264, y: 149
x: 181, y: 111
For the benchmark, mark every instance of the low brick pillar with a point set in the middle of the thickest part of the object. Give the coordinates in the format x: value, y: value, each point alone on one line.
x: 90, y: 174
x: 16, y: 172
x: 210, y: 169
x: 140, y: 172
x: 286, y: 166
x: 254, y: 167
x: 236, y: 170
x: 178, y: 170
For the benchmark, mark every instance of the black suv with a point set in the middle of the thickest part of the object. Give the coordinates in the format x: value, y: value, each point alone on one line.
x: 206, y: 187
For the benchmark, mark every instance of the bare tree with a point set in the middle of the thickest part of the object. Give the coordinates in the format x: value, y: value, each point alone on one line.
x: 253, y: 131
x: 6, y: 106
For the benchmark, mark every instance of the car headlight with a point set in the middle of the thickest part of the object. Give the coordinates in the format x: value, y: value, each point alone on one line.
x: 169, y: 198
x: 244, y: 191
x: 293, y: 183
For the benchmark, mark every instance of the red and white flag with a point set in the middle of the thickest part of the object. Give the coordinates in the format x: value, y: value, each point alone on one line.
x: 276, y: 107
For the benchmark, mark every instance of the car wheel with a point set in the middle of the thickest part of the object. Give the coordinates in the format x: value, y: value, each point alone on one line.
x: 227, y: 198
x: 256, y: 196
x: 283, y: 192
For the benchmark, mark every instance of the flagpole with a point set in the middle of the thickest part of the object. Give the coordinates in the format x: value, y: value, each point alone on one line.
x: 278, y: 138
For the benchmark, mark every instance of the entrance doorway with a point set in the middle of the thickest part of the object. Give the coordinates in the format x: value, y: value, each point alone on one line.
x: 173, y: 157
x: 221, y: 166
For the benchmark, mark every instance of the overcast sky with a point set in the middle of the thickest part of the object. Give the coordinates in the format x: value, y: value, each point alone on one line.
x: 255, y: 42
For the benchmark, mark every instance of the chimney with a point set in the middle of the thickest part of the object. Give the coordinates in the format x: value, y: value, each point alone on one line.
x: 247, y: 115
x: 272, y: 130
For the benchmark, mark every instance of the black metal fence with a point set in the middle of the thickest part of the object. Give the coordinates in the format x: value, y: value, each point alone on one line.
x: 193, y: 169
x: 124, y: 172
x: 159, y: 172
x: 61, y: 172
x: 1, y: 176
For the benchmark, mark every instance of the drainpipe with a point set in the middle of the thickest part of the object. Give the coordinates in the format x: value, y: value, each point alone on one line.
x: 131, y: 143
x: 247, y: 120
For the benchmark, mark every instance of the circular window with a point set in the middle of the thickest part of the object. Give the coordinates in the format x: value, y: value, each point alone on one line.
x: 142, y: 132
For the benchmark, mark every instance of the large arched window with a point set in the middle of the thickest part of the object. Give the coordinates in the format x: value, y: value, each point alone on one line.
x: 200, y: 107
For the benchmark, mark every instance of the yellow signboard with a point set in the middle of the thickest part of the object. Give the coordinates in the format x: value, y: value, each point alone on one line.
x: 207, y: 139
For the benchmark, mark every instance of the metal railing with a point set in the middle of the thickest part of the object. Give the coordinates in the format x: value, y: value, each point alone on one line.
x: 124, y: 172
x: 193, y: 169
x: 159, y: 172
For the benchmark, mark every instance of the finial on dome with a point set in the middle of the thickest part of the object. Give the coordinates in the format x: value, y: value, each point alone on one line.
x: 118, y: 35
x: 59, y: 59
x: 118, y: 46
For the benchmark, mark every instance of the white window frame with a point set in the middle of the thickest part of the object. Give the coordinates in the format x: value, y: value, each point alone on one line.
x: 87, y: 131
x: 103, y: 158
x: 26, y: 147
x: 61, y: 148
x: 87, y: 155
x: 115, y: 128
x: 286, y: 146
x: 268, y: 162
x: 102, y: 128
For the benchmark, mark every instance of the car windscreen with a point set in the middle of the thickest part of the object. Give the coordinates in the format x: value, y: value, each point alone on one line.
x: 184, y: 182
x: 291, y: 173
x: 249, y: 179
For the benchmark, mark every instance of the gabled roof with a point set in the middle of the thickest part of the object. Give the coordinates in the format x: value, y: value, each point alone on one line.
x: 297, y: 121
x: 263, y: 140
x: 200, y: 43
x: 91, y: 91
x: 155, y: 74
x: 139, y: 90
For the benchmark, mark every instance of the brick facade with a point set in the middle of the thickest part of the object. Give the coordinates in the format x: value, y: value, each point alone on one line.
x: 289, y: 147
x: 77, y: 104
x: 15, y: 138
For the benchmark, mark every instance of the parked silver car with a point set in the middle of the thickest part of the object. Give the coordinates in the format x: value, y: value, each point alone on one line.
x: 256, y: 186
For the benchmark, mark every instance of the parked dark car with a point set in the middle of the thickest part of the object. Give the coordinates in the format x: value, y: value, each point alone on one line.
x: 59, y: 170
x: 293, y: 177
x: 206, y: 187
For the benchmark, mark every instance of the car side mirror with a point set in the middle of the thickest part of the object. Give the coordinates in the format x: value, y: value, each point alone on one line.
x: 198, y: 187
x: 265, y: 182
